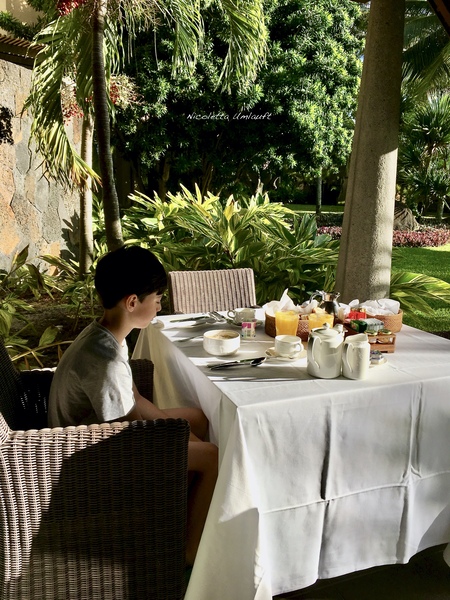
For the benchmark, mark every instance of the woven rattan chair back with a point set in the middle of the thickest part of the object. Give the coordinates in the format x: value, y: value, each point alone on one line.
x: 89, y: 513
x: 10, y: 390
x: 203, y: 291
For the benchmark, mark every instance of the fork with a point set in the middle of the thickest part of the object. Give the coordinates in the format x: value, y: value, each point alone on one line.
x: 217, y: 316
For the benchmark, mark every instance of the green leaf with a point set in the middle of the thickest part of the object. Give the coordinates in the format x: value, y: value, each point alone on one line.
x: 49, y: 335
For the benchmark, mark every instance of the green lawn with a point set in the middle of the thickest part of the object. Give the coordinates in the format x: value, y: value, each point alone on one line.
x: 434, y: 262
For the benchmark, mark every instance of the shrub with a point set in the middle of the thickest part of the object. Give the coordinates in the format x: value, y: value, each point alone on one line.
x: 191, y: 232
x: 423, y: 237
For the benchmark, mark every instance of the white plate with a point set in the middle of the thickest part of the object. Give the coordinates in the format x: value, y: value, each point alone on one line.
x: 270, y: 353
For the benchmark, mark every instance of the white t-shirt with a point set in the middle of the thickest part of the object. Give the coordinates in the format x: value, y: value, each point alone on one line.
x: 93, y: 381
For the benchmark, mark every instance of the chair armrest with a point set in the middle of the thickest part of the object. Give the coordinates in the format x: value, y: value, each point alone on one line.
x: 34, y: 394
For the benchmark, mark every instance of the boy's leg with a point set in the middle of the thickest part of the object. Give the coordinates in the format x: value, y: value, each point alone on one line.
x: 195, y: 416
x: 203, y: 467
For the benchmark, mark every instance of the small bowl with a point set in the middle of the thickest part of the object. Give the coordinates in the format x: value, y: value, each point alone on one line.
x: 221, y: 342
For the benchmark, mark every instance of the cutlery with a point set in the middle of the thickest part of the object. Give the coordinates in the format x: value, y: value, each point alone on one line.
x: 212, y: 317
x: 201, y: 318
x: 217, y: 316
x: 246, y: 362
x: 191, y: 337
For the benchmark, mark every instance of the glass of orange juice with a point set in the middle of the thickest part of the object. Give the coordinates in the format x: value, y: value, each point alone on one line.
x: 286, y: 322
x: 319, y: 319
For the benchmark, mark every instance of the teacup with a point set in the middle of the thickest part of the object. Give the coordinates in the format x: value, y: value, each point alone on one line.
x: 221, y: 342
x: 241, y: 315
x: 288, y: 345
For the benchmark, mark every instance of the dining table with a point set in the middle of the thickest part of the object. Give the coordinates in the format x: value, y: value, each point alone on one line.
x: 317, y: 477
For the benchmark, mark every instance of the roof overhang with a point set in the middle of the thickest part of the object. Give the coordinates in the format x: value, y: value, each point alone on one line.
x: 18, y: 51
x: 442, y: 10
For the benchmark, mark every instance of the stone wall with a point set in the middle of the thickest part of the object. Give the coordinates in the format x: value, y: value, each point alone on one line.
x: 34, y: 210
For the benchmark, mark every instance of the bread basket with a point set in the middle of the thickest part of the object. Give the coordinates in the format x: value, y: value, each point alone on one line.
x: 392, y: 322
x: 302, y: 329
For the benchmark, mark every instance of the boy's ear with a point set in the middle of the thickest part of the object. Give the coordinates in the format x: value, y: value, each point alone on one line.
x: 131, y: 302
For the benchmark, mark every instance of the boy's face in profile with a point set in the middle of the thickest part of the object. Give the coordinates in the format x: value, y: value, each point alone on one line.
x: 146, y: 310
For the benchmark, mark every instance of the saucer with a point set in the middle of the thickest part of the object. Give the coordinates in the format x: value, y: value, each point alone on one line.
x: 236, y: 324
x: 270, y: 353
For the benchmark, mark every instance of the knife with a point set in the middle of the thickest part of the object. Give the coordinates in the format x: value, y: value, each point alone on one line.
x: 246, y: 362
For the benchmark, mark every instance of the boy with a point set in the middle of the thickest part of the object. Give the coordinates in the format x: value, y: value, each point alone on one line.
x: 93, y: 381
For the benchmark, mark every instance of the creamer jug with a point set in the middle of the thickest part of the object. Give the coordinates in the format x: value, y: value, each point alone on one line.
x: 356, y: 356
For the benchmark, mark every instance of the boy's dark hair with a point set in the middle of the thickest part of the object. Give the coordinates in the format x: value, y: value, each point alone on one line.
x: 128, y: 270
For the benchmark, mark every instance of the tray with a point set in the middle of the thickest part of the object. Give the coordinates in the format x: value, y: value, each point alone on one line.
x: 381, y: 346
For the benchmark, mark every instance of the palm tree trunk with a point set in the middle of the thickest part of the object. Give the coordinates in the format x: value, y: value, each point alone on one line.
x: 113, y: 227
x: 319, y: 195
x: 440, y: 209
x: 86, y: 232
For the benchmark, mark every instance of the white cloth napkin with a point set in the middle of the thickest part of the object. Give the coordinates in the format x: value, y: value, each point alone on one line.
x: 384, y: 306
x: 286, y: 303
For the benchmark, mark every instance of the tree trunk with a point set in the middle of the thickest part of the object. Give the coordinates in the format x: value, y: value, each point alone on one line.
x: 113, y: 227
x: 440, y: 209
x: 364, y: 265
x: 319, y: 195
x: 86, y: 232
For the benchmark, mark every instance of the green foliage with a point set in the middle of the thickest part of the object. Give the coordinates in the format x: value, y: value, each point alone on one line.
x: 192, y: 232
x: 426, y: 56
x: 22, y: 280
x: 78, y: 293
x: 424, y: 153
x: 294, y: 122
x: 416, y: 291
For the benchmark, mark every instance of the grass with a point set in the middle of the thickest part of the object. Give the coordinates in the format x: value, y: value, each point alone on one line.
x: 434, y: 262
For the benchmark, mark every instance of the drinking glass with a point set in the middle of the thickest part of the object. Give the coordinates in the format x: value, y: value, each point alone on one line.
x: 319, y: 319
x: 286, y: 322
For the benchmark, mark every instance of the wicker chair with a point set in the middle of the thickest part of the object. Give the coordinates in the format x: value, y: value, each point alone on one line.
x: 203, y: 291
x: 90, y: 513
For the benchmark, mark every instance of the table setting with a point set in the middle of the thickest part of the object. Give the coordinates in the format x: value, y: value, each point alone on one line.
x: 322, y: 472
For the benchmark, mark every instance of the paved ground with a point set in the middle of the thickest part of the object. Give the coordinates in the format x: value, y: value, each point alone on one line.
x: 425, y: 577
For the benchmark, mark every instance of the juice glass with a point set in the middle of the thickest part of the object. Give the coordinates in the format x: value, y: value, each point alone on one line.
x: 286, y: 322
x: 319, y: 319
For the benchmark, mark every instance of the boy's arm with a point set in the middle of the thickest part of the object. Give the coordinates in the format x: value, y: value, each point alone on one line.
x: 146, y: 409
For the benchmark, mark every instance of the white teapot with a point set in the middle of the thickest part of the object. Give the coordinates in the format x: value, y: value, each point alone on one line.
x: 324, y: 351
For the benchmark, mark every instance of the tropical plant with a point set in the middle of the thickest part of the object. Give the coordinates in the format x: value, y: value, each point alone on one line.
x: 424, y: 152
x: 426, y: 57
x: 192, y: 231
x: 416, y: 291
x: 292, y: 124
x: 89, y: 29
x: 22, y: 280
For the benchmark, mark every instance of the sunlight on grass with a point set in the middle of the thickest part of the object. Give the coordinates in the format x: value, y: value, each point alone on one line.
x: 434, y: 262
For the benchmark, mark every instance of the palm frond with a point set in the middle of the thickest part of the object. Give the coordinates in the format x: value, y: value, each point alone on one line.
x: 247, y: 44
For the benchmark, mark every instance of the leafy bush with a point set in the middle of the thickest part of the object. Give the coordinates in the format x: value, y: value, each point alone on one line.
x: 23, y: 280
x: 191, y: 232
x: 424, y: 237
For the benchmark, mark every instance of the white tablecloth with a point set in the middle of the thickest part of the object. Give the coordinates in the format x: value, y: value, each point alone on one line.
x: 317, y: 477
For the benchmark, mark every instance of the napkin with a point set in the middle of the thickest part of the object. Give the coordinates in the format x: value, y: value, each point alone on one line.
x: 384, y: 306
x: 286, y: 303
